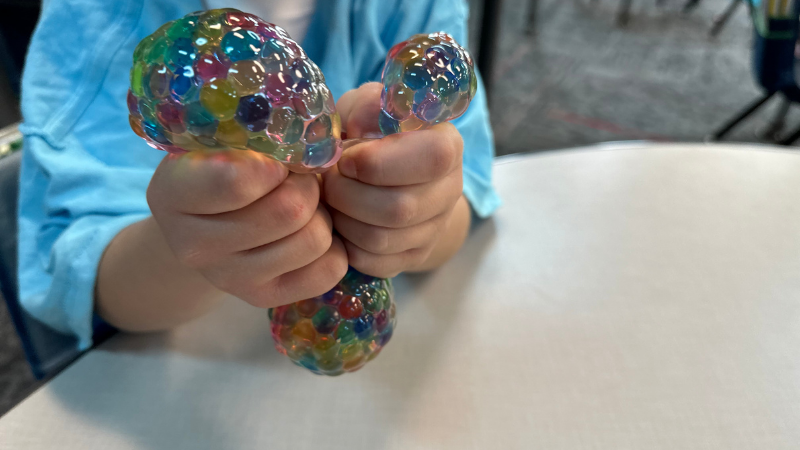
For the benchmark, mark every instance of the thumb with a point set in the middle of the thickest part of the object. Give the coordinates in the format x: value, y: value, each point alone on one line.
x: 359, y: 110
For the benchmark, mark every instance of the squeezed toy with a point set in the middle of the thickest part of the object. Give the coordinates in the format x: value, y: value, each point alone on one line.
x: 223, y: 79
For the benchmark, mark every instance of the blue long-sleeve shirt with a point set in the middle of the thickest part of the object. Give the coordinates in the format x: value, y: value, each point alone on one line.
x: 85, y: 173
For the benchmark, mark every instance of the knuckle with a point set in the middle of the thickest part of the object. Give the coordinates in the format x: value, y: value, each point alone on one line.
x: 442, y: 158
x: 331, y: 271
x: 364, y: 263
x: 237, y: 190
x: 317, y: 238
x: 402, y: 210
x: 368, y: 165
x: 191, y: 257
x: 292, y: 206
x: 375, y: 239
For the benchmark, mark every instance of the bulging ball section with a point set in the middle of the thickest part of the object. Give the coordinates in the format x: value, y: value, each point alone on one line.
x: 427, y: 79
x: 223, y: 79
x: 339, y: 331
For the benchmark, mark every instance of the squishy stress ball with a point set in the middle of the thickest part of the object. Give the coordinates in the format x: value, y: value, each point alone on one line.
x: 226, y: 79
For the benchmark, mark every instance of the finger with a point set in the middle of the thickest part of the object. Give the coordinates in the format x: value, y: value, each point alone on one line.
x: 264, y: 263
x: 359, y: 110
x: 386, y: 241
x: 392, y: 207
x: 213, y: 182
x: 384, y: 266
x: 312, y: 280
x: 282, y: 212
x: 406, y: 158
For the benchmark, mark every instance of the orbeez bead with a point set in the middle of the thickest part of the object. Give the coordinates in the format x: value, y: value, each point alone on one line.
x: 339, y: 331
x: 427, y: 79
x: 226, y: 79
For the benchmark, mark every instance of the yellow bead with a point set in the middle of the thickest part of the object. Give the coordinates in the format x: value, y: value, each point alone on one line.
x: 247, y: 77
x: 220, y: 99
x: 232, y: 134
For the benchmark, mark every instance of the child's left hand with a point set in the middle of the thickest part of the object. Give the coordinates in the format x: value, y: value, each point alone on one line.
x: 391, y: 199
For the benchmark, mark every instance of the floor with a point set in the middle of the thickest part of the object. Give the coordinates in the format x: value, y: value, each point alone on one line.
x: 579, y: 79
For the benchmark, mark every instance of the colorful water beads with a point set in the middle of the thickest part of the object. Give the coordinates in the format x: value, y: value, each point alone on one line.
x: 340, y: 331
x: 227, y: 79
x: 427, y: 79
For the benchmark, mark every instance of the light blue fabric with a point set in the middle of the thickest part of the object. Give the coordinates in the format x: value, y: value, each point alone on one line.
x: 85, y: 173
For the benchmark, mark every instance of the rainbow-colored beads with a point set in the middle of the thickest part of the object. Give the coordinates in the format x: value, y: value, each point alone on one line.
x: 339, y: 331
x: 427, y: 79
x: 227, y: 79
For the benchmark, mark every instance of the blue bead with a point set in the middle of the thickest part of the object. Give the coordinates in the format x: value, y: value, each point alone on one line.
x: 180, y: 85
x: 460, y: 71
x: 181, y: 54
x: 155, y: 132
x: 319, y: 154
x: 199, y: 121
x: 387, y: 334
x: 363, y: 325
x: 241, y: 44
x: 418, y: 76
x: 388, y: 124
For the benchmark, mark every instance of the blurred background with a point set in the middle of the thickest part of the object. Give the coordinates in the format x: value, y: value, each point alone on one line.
x: 561, y: 74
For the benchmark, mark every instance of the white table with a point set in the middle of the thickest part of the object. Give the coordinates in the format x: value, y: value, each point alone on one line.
x: 638, y: 297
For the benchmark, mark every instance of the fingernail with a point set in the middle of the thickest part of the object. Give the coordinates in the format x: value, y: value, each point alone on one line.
x: 347, y: 167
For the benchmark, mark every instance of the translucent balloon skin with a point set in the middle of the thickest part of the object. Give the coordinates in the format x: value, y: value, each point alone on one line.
x: 215, y: 79
x: 339, y: 331
x: 427, y: 79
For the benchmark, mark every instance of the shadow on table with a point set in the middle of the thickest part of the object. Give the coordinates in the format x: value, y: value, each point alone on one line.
x: 175, y: 390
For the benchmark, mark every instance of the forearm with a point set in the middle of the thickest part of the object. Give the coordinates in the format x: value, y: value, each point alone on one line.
x: 141, y: 286
x: 451, y: 239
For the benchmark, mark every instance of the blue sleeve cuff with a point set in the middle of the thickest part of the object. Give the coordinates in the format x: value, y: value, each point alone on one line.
x: 68, y: 304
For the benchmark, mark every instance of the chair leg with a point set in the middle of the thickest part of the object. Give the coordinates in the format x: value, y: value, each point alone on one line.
x: 533, y: 8
x: 689, y: 6
x: 722, y: 19
x: 750, y: 109
x: 790, y: 139
x: 772, y: 132
x: 624, y: 13
x: 488, y: 40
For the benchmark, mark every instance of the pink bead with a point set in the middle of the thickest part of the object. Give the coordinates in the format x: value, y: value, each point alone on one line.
x: 210, y: 66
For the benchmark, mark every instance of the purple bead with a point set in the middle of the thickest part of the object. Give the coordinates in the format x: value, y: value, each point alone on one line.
x: 133, y: 105
x: 253, y: 110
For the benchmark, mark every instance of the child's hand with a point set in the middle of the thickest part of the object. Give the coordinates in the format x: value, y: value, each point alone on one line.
x: 247, y: 225
x: 391, y: 199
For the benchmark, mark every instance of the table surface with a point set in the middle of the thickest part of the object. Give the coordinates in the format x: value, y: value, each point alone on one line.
x: 638, y: 297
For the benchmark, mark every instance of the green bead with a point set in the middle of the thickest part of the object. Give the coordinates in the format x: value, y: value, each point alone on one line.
x: 325, y: 320
x: 157, y: 51
x: 291, y: 153
x: 136, y: 79
x: 371, y: 304
x: 350, y: 350
x: 142, y: 49
x: 473, y: 85
x: 345, y: 333
x: 383, y: 298
x: 147, y: 110
x: 285, y: 127
x: 182, y: 28
x: 262, y: 144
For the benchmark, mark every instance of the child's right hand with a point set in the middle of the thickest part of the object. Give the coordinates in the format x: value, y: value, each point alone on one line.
x: 247, y: 225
